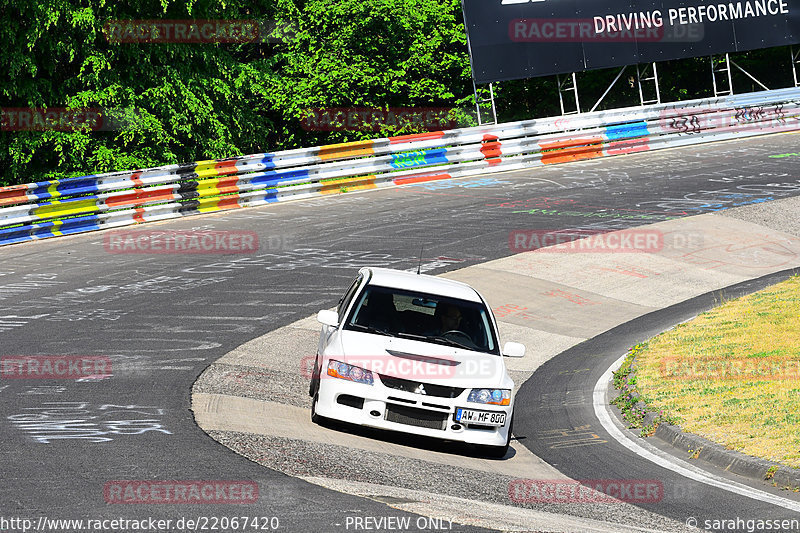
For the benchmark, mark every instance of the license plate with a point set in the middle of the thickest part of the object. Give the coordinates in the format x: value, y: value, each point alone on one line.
x: 483, y: 418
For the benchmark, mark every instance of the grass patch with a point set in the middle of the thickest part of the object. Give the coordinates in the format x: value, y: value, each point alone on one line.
x: 732, y: 374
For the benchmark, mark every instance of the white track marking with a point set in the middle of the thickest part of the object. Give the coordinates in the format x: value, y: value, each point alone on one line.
x: 665, y: 460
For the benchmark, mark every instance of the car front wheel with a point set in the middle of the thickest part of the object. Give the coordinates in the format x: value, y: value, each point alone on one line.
x: 313, y: 387
x: 498, y: 452
x: 315, y: 418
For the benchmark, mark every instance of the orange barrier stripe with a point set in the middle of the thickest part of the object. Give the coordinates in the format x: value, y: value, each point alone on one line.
x: 354, y: 149
x: 420, y: 179
x: 139, y: 197
x: 14, y: 194
x: 231, y: 202
x: 138, y: 216
x: 352, y: 184
x: 416, y: 137
x: 571, y: 150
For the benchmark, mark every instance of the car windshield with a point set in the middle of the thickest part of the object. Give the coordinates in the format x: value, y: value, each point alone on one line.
x: 425, y: 317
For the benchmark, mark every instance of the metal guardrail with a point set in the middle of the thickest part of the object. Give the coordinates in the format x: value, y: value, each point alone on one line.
x: 76, y: 205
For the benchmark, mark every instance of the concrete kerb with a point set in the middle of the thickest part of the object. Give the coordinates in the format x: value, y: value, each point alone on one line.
x: 547, y: 329
x: 697, y: 447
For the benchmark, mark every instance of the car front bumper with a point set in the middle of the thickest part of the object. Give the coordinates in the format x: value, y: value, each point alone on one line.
x: 381, y: 407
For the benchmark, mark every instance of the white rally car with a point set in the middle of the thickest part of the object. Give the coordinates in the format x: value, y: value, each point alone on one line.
x: 418, y: 354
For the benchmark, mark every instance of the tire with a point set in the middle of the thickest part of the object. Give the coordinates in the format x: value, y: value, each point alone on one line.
x: 498, y: 452
x: 315, y: 418
x: 313, y: 386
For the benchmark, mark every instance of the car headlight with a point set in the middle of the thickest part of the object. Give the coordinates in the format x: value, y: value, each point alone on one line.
x: 341, y: 370
x: 490, y: 396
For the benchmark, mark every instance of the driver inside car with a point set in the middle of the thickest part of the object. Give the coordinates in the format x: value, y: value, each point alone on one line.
x: 448, y: 318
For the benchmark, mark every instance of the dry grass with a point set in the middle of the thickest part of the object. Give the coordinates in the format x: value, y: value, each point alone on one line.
x: 758, y: 338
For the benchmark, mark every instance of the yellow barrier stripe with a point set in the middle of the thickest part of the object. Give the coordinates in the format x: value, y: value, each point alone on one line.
x: 350, y: 184
x: 59, y: 208
x: 56, y: 224
x: 52, y: 190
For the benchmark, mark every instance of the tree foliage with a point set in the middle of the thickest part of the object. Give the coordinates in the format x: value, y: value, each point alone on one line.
x: 186, y: 101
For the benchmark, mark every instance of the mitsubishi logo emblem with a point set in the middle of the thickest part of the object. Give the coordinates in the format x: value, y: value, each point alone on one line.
x: 421, y: 389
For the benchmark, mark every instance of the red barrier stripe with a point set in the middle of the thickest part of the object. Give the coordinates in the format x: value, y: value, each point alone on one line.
x: 416, y: 137
x: 420, y: 179
x: 491, y: 149
x: 628, y: 146
x: 571, y: 150
x: 226, y: 167
x: 137, y: 182
x: 138, y: 216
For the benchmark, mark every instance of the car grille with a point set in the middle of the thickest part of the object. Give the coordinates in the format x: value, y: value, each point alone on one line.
x: 411, y: 416
x: 406, y: 385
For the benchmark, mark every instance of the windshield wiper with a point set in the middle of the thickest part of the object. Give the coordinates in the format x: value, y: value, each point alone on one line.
x: 414, y: 336
x: 368, y: 329
x: 449, y: 342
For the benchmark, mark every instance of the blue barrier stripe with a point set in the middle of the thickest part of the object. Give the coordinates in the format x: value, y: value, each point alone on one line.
x: 79, y: 186
x: 12, y: 234
x: 14, y: 240
x: 419, y: 158
x: 267, y: 161
x: 627, y: 131
x: 42, y: 189
x: 272, y: 178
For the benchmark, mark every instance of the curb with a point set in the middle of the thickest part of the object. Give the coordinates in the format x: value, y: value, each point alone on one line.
x: 729, y: 460
x: 697, y: 447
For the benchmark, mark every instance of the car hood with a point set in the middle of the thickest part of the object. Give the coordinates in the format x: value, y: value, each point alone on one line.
x: 420, y: 361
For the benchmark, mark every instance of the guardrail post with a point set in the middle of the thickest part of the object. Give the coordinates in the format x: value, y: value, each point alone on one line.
x: 654, y: 79
x: 479, y: 101
x: 565, y: 87
x: 726, y: 70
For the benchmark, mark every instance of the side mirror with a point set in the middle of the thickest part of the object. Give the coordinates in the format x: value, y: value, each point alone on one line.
x: 331, y: 318
x: 514, y: 349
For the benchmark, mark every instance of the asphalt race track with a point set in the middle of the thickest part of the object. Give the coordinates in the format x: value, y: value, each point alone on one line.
x: 163, y: 318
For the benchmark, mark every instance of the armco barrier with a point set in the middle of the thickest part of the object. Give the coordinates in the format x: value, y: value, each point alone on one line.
x: 75, y: 205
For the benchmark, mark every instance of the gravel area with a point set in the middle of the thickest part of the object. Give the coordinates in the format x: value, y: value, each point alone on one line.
x: 267, y: 384
x: 781, y: 215
x: 309, y: 459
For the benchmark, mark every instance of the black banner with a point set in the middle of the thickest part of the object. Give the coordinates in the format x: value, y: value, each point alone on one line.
x: 514, y: 39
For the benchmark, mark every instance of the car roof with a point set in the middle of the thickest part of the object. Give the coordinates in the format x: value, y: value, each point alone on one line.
x: 400, y: 279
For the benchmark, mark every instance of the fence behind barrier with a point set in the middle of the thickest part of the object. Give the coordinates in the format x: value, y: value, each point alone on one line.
x: 75, y: 205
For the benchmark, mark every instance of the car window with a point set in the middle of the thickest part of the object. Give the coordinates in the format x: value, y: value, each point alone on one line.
x: 424, y: 317
x: 348, y: 295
